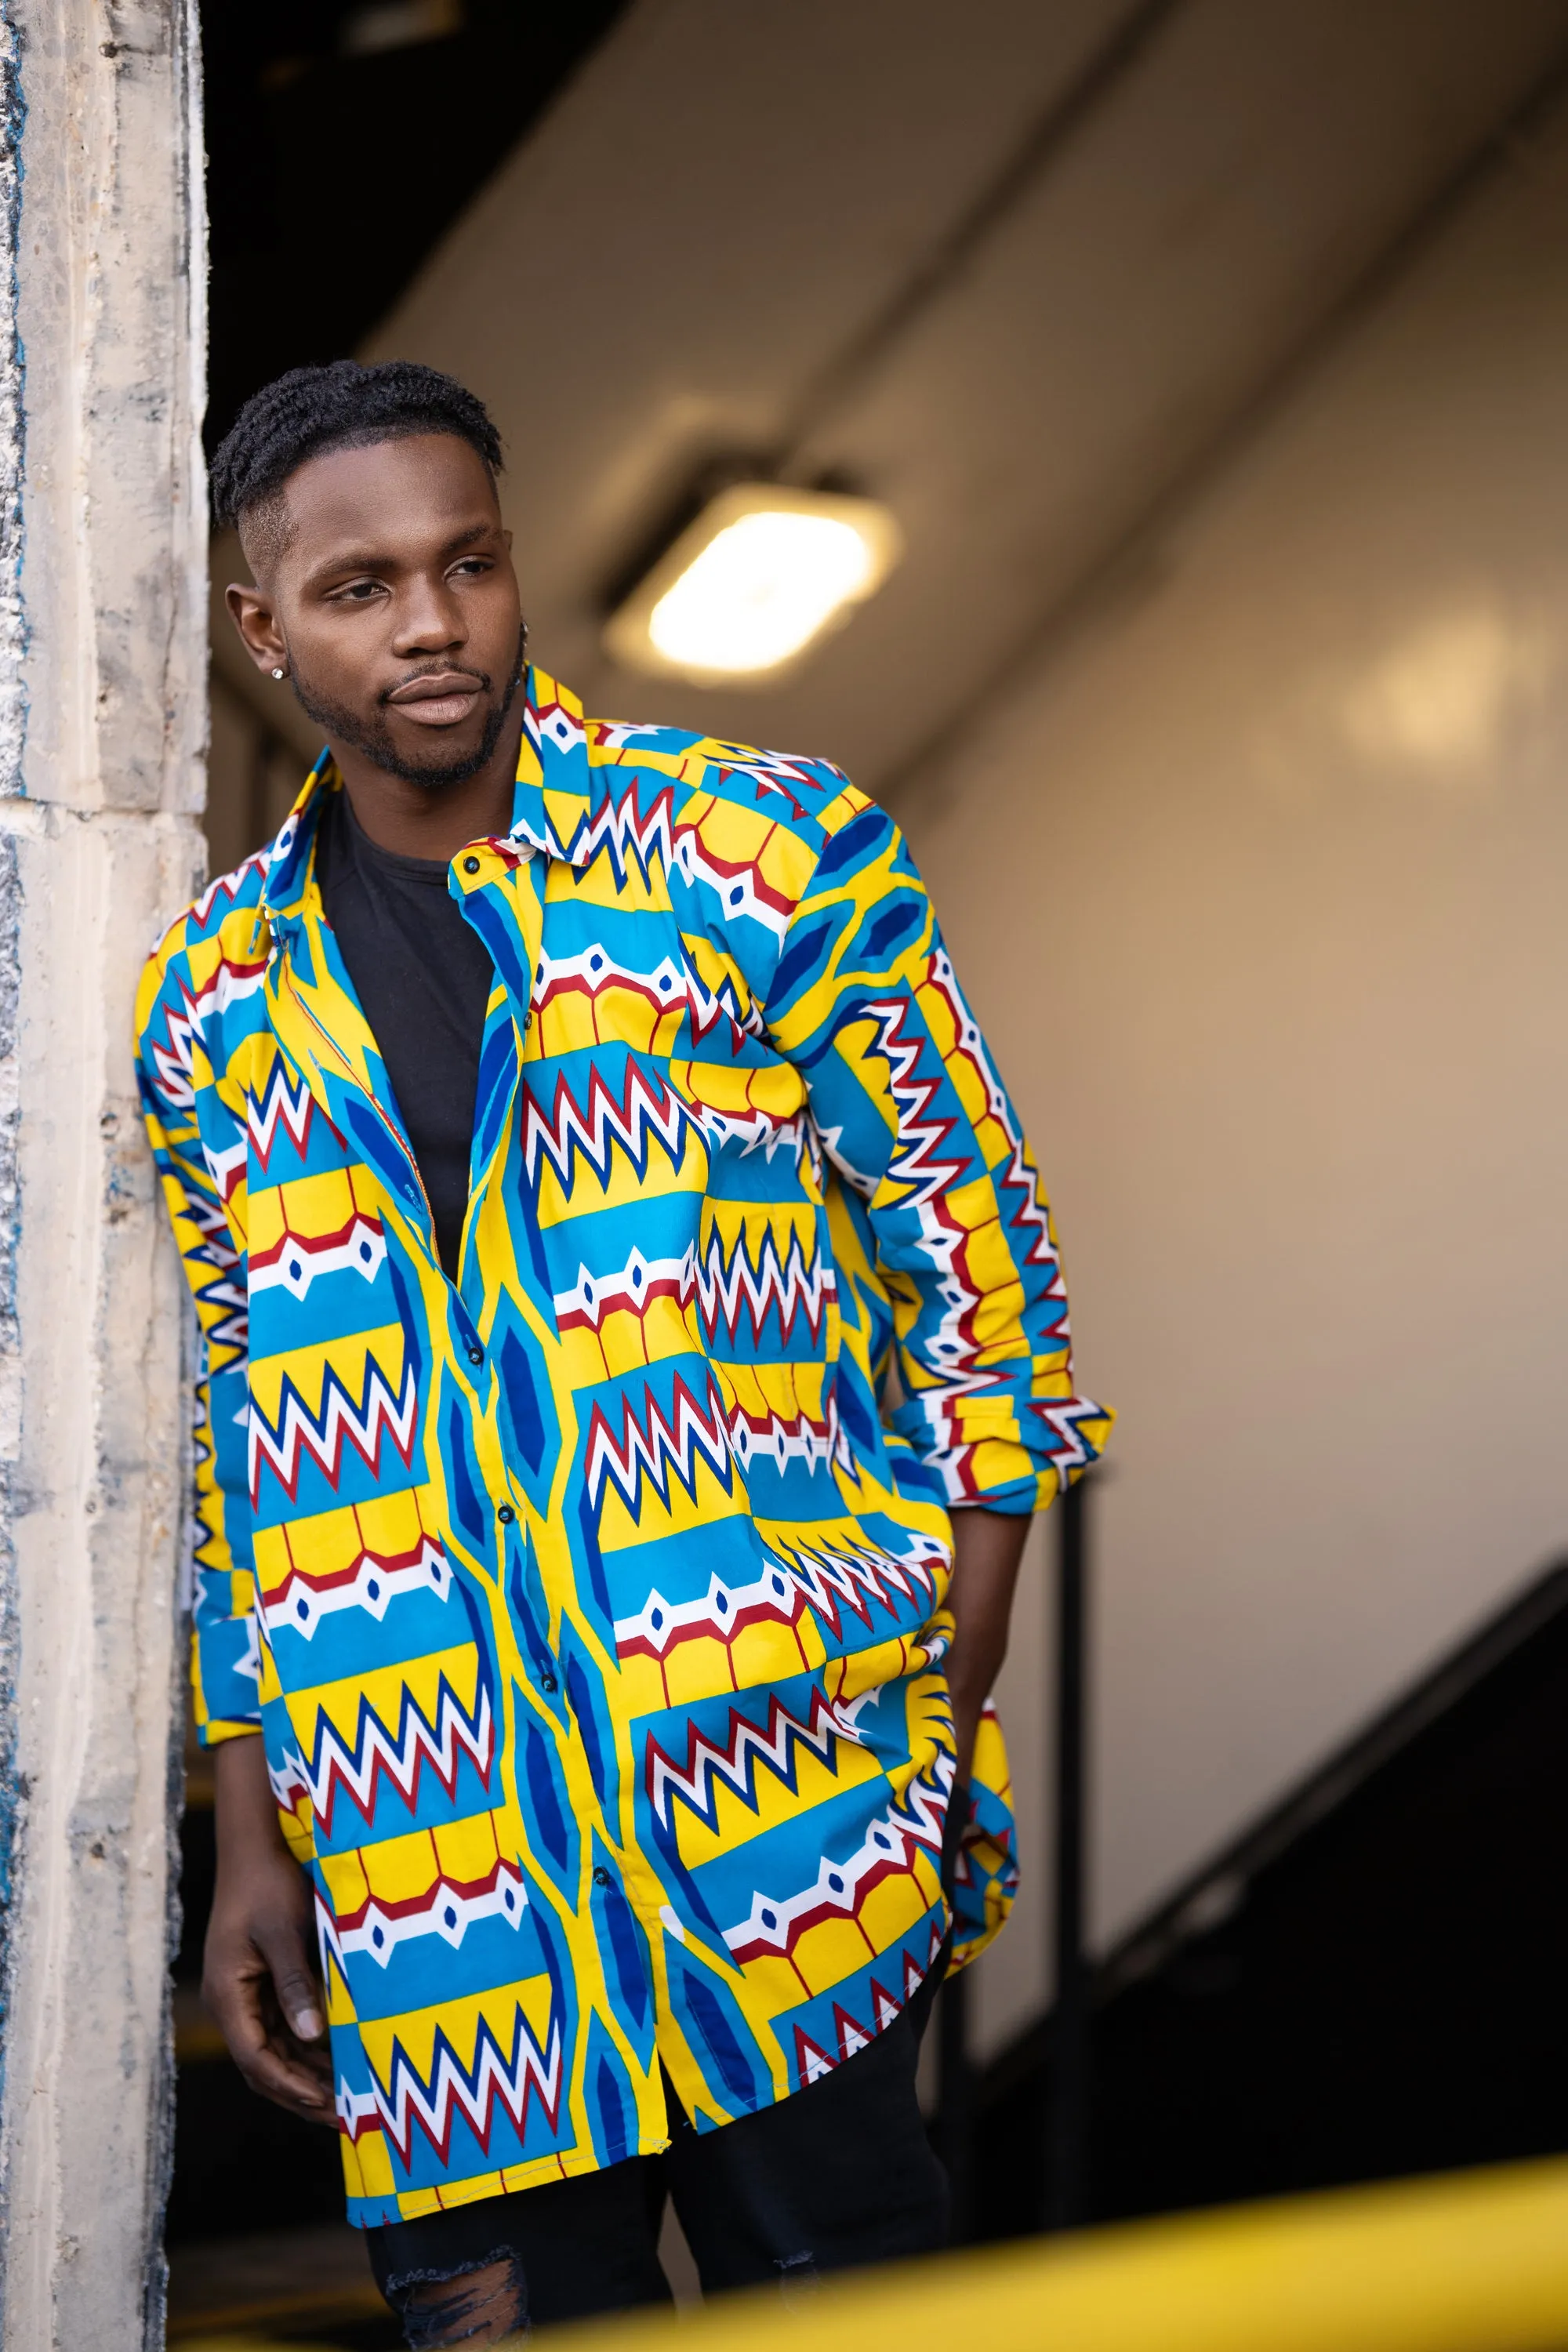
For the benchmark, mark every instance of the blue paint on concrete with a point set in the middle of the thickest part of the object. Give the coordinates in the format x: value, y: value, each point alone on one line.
x: 13, y: 412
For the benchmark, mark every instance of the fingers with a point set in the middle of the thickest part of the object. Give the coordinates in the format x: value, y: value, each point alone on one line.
x: 272, y: 2060
x: 283, y: 1947
x: 256, y: 1981
x: 279, y: 2069
x: 290, y: 2082
x: 272, y: 2063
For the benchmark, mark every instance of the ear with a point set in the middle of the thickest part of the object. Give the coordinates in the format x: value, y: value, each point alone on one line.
x: 254, y: 616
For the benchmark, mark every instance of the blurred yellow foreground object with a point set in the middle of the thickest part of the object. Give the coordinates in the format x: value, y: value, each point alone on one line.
x: 1474, y: 2261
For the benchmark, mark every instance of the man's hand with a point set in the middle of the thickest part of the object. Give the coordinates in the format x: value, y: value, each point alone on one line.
x: 259, y: 1977
x: 987, y: 1547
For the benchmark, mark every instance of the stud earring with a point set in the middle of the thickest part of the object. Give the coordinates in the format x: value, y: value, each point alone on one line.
x: 279, y: 673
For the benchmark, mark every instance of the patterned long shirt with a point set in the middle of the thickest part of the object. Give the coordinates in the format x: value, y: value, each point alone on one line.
x: 591, y: 1607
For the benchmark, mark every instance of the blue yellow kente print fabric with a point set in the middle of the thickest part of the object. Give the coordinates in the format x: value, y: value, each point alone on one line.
x: 592, y: 1609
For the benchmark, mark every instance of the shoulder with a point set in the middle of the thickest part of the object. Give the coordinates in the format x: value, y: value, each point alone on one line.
x: 738, y: 789
x: 215, y: 950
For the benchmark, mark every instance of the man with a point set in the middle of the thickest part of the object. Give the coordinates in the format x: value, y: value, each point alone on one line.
x: 580, y: 1118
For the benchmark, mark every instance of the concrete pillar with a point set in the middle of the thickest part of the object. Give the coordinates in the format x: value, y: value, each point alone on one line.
x: 103, y: 724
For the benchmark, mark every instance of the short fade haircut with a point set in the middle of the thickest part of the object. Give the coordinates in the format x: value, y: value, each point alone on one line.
x: 340, y: 407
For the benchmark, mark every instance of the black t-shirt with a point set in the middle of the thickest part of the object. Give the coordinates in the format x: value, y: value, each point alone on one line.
x: 422, y: 978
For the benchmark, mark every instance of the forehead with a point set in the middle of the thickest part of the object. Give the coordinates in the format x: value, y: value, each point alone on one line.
x: 398, y: 495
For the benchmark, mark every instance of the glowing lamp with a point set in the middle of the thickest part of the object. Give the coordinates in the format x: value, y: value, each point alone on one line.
x: 761, y: 575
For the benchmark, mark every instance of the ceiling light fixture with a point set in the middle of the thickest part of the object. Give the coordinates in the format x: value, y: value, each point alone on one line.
x: 763, y: 574
x: 385, y: 25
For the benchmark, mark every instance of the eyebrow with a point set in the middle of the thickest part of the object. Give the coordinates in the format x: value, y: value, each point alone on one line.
x: 370, y: 559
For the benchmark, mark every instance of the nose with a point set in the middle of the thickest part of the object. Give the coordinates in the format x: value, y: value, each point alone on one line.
x: 429, y: 619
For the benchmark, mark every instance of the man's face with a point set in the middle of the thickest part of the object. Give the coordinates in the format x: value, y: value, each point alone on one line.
x: 393, y: 594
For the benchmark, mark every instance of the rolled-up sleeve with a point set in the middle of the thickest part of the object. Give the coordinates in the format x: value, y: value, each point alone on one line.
x: 909, y: 1106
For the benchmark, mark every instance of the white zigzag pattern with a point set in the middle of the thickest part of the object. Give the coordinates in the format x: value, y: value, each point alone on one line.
x: 724, y: 1292
x: 912, y: 1163
x: 1028, y: 1209
x: 217, y: 1241
x: 453, y: 1735
x: 231, y: 1329
x: 279, y: 1100
x: 623, y: 825
x: 771, y: 770
x: 750, y: 1131
x: 605, y: 1125
x: 669, y: 1779
x: 1020, y: 1178
x: 410, y: 2102
x: 231, y: 883
x: 175, y: 1060
x: 382, y: 1411
x: 829, y: 1578
x: 657, y: 1450
x: 1064, y: 1419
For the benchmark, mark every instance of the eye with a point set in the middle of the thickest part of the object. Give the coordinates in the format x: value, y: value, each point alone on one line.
x: 356, y: 592
x: 472, y: 567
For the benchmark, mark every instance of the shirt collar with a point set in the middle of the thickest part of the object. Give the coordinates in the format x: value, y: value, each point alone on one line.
x: 550, y: 801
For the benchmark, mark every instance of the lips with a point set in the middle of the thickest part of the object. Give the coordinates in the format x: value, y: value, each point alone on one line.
x: 437, y: 697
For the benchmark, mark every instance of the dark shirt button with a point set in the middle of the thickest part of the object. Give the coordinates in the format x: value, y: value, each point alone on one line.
x: 506, y: 1515
x: 547, y: 1682
x: 476, y: 1355
x: 602, y: 1876
x: 471, y: 865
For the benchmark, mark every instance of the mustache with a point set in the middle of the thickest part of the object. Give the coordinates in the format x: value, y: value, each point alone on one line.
x: 435, y: 669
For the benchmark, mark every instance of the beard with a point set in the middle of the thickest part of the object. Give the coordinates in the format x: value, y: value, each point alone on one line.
x: 371, y: 738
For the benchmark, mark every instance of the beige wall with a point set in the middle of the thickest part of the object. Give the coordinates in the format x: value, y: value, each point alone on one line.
x: 1260, y: 890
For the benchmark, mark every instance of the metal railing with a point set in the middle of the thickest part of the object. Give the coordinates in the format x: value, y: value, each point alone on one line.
x: 1470, y: 2263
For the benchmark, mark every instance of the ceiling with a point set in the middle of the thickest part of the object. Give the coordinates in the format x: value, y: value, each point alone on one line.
x: 343, y: 138
x: 1025, y: 272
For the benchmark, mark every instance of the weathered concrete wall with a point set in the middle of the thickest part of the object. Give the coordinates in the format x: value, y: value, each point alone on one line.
x: 102, y: 619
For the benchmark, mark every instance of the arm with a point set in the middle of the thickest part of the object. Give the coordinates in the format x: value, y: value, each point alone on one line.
x: 259, y: 1977
x: 911, y: 1110
x: 987, y: 1548
x: 258, y: 1963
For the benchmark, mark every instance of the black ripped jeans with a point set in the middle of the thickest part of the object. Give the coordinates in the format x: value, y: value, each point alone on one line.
x: 836, y: 2175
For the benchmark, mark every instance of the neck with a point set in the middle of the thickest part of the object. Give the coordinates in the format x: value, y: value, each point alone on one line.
x: 412, y: 821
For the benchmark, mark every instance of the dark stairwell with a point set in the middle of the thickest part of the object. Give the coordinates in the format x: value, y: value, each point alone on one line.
x: 1369, y: 1982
